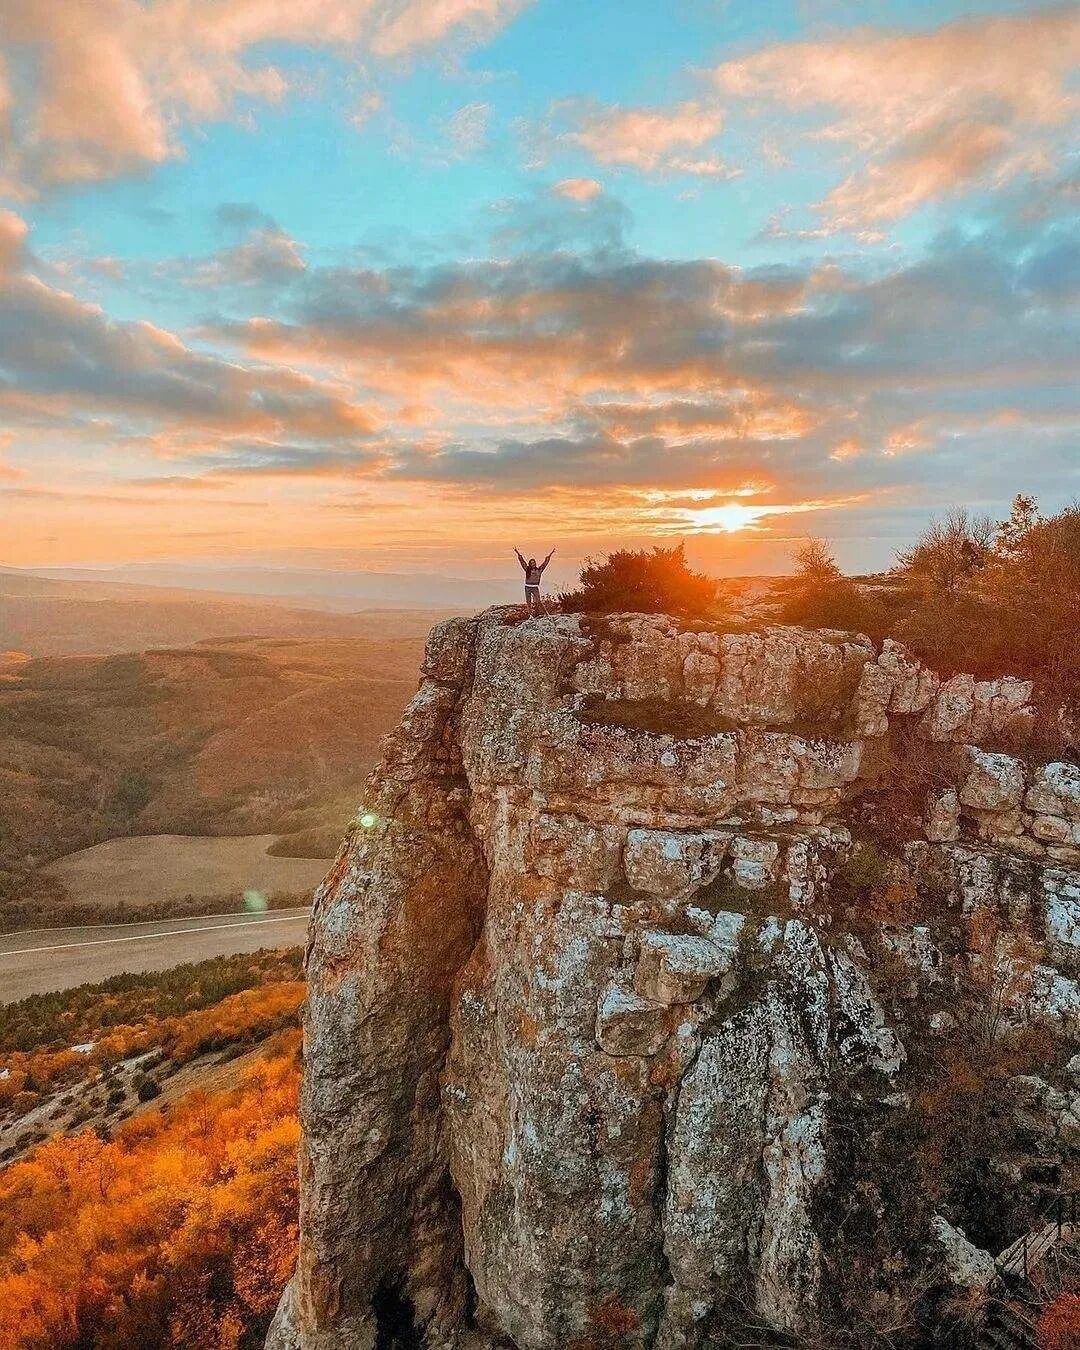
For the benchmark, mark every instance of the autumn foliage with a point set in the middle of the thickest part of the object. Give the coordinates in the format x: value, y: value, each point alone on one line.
x: 179, y: 1013
x: 180, y: 1231
x: 248, y: 1016
x: 1001, y: 599
x: 970, y: 595
x: 1059, y: 1326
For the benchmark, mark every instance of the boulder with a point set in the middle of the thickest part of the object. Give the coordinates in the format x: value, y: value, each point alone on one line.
x: 964, y: 709
x: 629, y: 1023
x: 1061, y: 910
x: 994, y: 782
x: 966, y: 1266
x: 1055, y: 791
x: 755, y: 862
x: 676, y: 967
x: 667, y: 862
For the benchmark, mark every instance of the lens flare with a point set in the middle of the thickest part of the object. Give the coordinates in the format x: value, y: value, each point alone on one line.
x: 255, y: 902
x: 369, y: 820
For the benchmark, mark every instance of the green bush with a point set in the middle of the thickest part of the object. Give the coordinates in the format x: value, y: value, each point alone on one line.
x: 819, y: 595
x: 644, y: 581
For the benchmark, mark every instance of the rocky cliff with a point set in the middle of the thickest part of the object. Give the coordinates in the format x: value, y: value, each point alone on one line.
x: 617, y: 1037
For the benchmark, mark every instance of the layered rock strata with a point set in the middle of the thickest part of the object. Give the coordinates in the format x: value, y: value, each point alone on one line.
x: 580, y: 1007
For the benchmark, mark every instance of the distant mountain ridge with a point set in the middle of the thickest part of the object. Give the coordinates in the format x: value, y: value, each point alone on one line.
x: 51, y: 615
x: 316, y: 588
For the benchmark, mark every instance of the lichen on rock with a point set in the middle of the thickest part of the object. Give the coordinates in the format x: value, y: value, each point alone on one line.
x: 582, y: 1015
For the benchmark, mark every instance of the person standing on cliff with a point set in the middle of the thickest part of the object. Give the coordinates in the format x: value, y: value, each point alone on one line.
x: 533, y: 572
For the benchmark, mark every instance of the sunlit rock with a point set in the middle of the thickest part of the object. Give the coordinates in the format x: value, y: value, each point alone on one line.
x: 595, y: 1019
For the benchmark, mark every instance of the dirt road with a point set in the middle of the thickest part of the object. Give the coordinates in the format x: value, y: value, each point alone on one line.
x: 46, y: 959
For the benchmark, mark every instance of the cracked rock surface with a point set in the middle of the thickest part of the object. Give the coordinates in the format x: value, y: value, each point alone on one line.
x: 575, y: 1026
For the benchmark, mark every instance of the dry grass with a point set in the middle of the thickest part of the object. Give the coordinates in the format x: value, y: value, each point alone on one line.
x: 171, y: 867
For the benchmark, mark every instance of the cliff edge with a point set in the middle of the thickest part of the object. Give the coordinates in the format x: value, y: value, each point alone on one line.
x: 615, y: 1007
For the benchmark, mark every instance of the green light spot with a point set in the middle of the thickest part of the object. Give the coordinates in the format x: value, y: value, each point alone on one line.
x: 368, y: 820
x: 254, y: 901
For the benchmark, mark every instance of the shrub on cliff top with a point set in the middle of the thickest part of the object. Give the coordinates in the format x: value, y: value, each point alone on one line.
x: 819, y: 595
x: 1015, y: 609
x: 949, y: 553
x: 643, y: 581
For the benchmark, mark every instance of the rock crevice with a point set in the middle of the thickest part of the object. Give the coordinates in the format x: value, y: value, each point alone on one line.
x: 579, y: 1002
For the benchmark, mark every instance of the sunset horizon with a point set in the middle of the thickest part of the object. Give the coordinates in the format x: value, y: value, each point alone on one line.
x: 398, y: 286
x: 539, y: 675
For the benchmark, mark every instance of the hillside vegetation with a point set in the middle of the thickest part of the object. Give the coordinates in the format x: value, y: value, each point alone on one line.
x: 86, y: 1056
x: 180, y: 1229
x: 248, y: 736
x: 971, y: 594
x: 149, y: 1196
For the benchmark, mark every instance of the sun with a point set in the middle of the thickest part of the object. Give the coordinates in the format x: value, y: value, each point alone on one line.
x: 728, y: 518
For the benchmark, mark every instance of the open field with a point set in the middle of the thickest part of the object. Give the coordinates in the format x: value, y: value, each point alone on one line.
x: 251, y: 736
x: 172, y: 866
x: 41, y: 961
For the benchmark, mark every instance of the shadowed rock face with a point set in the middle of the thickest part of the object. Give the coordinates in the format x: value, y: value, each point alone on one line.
x: 578, y: 1011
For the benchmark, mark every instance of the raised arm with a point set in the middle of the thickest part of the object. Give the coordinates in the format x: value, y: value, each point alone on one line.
x: 547, y: 560
x: 521, y: 560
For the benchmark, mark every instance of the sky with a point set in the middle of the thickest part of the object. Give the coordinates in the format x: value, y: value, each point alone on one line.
x: 396, y: 284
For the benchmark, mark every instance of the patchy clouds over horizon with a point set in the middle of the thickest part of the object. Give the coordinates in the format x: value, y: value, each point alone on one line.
x: 396, y: 283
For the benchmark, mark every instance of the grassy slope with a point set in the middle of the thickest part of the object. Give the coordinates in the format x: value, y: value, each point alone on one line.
x: 245, y: 736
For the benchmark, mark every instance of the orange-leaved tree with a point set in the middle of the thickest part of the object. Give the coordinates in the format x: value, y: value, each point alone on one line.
x: 179, y: 1231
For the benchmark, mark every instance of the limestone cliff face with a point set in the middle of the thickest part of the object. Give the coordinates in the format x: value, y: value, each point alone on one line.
x: 582, y: 1006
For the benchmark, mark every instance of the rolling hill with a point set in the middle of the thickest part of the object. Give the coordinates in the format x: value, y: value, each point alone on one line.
x: 47, y: 616
x: 266, y: 735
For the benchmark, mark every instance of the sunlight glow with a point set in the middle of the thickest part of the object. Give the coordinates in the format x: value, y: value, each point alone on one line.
x: 728, y: 518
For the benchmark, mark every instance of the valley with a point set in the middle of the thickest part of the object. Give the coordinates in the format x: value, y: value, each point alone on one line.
x: 185, y: 869
x: 265, y: 739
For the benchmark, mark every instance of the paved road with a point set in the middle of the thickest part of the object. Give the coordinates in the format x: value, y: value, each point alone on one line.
x: 45, y: 959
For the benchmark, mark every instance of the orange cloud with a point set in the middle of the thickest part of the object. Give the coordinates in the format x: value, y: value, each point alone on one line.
x: 571, y: 388
x: 13, y: 232
x: 722, y: 516
x: 63, y: 363
x: 578, y: 189
x: 941, y: 160
x: 746, y: 415
x: 156, y: 66
x: 930, y: 111
x: 424, y: 22
x: 904, y: 440
x: 651, y: 140
x: 266, y: 255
